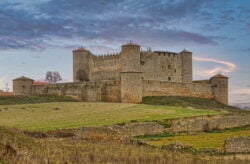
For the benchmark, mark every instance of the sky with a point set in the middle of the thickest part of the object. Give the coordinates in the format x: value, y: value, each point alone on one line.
x: 37, y: 36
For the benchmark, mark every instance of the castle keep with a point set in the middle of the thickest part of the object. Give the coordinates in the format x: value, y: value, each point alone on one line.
x: 128, y: 76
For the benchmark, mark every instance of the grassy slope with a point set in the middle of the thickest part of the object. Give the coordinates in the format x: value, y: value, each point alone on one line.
x: 11, y: 100
x: 195, y: 102
x: 202, y: 140
x: 16, y: 138
x: 76, y: 114
x: 93, y: 150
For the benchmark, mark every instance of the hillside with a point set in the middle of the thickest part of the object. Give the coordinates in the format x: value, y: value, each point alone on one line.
x: 191, y: 102
x: 11, y: 100
x: 57, y: 115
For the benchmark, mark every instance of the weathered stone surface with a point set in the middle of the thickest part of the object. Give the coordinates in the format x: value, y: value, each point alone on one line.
x: 205, y: 123
x: 22, y: 86
x: 126, y: 129
x: 138, y: 129
x: 176, y: 146
x: 139, y: 73
x: 237, y: 145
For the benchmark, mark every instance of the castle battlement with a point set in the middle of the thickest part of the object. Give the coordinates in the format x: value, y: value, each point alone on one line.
x: 129, y: 75
x: 107, y: 56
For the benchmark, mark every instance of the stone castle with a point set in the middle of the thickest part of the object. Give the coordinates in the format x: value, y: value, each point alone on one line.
x: 129, y: 76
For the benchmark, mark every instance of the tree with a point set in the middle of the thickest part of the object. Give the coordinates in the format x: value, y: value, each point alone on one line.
x: 53, y: 77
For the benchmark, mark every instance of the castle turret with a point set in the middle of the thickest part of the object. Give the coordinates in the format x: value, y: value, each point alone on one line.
x: 187, y: 66
x: 131, y: 75
x: 81, y: 70
x: 219, y: 84
x: 22, y: 86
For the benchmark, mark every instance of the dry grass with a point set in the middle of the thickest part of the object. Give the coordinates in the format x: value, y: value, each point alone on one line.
x: 77, y: 114
x: 200, y: 140
x: 97, y: 148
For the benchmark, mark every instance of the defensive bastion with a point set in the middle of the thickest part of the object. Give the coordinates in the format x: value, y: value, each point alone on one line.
x: 128, y: 76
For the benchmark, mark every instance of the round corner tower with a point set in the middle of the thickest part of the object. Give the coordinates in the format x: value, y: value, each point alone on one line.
x: 220, y: 88
x: 187, y: 66
x: 131, y: 75
x: 81, y: 71
x: 22, y: 86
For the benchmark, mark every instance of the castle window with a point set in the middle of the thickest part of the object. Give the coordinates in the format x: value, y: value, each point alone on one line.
x: 169, y: 78
x: 175, y: 70
x: 168, y: 55
x: 169, y: 66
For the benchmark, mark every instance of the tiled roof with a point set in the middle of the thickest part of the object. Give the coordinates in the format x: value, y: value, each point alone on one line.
x: 3, y: 93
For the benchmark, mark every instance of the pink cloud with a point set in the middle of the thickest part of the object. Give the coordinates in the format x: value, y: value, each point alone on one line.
x: 225, y: 66
x: 244, y: 91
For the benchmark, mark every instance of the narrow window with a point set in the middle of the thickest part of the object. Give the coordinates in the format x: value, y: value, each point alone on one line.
x: 169, y: 78
x: 169, y: 66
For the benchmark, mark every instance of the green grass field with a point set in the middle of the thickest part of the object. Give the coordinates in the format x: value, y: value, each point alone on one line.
x: 59, y: 115
x: 200, y: 140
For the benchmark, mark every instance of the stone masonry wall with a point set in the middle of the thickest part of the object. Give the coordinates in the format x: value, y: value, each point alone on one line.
x: 164, y: 88
x: 165, y: 66
x: 177, y: 125
x: 106, y: 67
x: 86, y: 91
x: 131, y: 87
x: 205, y: 123
x: 237, y: 145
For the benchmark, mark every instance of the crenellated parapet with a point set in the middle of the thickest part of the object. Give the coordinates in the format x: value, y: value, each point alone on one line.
x: 107, y: 56
x: 129, y: 75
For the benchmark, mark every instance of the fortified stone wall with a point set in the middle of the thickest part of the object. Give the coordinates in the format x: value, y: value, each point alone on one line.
x: 105, y: 67
x: 85, y: 91
x: 22, y: 86
x: 163, y: 88
x: 140, y: 73
x: 157, y: 65
x: 160, y: 65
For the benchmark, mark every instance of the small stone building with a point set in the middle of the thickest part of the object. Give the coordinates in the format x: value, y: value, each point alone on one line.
x: 129, y: 75
x: 22, y: 86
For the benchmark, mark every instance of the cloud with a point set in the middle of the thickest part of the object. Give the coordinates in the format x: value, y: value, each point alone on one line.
x: 246, y: 50
x: 2, y: 83
x: 35, y: 25
x: 226, y: 66
x: 242, y: 91
x: 28, y: 24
